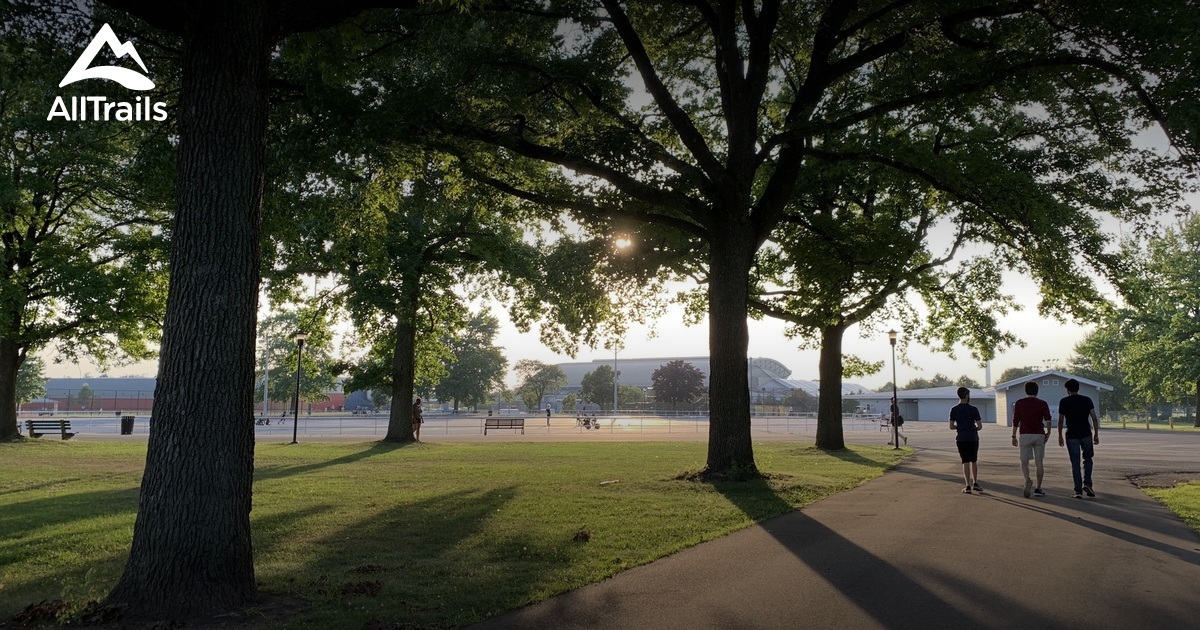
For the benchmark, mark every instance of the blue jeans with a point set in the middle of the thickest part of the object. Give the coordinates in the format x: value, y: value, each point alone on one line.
x: 1075, y: 448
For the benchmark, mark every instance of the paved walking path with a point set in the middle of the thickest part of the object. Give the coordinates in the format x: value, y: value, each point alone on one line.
x: 908, y: 550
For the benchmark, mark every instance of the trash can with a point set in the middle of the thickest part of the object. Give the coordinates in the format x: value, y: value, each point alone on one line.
x: 127, y: 425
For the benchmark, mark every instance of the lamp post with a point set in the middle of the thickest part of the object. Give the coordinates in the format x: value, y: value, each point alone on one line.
x: 895, y: 396
x: 299, y: 338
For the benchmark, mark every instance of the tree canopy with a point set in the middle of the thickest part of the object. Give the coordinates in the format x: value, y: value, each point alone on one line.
x: 677, y: 382
x: 478, y: 367
x: 735, y: 116
x: 937, y: 380
x: 1150, y: 347
x: 539, y: 379
x: 31, y: 380
x: 320, y: 366
x: 1015, y: 373
x: 83, y: 209
x: 597, y: 386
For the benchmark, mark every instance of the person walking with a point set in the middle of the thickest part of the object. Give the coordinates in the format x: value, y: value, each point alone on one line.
x: 897, y: 422
x: 1031, y: 415
x: 964, y: 418
x: 1078, y: 411
x: 418, y: 417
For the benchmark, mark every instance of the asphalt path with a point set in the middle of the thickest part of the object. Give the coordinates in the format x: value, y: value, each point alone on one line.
x: 909, y: 550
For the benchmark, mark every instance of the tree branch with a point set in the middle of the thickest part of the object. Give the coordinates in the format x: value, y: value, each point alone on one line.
x: 688, y: 134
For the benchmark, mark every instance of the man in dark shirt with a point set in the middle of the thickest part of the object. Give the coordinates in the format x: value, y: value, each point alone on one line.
x: 1031, y: 415
x: 964, y: 418
x: 1083, y: 431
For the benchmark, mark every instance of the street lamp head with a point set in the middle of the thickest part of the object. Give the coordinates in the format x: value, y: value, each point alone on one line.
x: 892, y: 336
x: 299, y: 335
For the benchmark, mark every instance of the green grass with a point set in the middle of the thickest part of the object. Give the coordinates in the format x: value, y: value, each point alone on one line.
x: 1133, y: 424
x: 443, y: 533
x: 1183, y: 499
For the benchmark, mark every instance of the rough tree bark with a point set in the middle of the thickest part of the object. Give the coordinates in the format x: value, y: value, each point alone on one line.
x: 400, y: 420
x: 729, y: 444
x: 10, y: 362
x: 829, y: 405
x: 192, y: 552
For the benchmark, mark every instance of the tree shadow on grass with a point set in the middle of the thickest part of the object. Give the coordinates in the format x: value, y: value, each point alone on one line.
x: 50, y: 512
x: 40, y: 486
x: 48, y: 537
x: 852, y: 457
x: 754, y: 497
x: 427, y: 561
x: 371, y: 450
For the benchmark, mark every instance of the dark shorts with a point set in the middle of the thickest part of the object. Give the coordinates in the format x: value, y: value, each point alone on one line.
x: 968, y: 451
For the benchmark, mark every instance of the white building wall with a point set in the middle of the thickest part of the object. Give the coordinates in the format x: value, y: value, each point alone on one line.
x: 938, y: 410
x: 1051, y: 389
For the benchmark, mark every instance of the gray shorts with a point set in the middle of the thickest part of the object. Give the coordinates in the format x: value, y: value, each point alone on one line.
x: 1033, y: 446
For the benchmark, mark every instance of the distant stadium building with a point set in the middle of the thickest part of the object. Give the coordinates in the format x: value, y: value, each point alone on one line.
x: 768, y: 378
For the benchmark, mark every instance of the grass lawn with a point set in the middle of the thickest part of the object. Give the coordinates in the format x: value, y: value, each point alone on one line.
x: 1183, y: 499
x: 424, y: 534
x: 1158, y: 425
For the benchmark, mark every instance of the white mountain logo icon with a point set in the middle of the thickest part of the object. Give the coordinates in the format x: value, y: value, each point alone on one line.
x: 126, y: 77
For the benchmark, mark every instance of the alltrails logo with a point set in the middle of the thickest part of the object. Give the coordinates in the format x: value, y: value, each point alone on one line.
x: 99, y: 106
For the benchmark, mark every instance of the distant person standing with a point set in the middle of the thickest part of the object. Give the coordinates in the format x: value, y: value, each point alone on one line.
x: 964, y: 418
x: 897, y: 422
x: 418, y: 417
x: 547, y: 416
x: 1083, y: 431
x: 1031, y: 415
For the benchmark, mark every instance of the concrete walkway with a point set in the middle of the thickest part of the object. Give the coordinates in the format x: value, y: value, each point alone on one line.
x: 909, y: 550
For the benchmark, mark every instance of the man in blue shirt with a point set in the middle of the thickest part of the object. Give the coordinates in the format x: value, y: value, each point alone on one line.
x: 1078, y: 410
x: 964, y: 418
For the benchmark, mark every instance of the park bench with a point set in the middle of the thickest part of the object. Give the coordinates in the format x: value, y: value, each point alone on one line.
x: 504, y: 423
x: 38, y: 428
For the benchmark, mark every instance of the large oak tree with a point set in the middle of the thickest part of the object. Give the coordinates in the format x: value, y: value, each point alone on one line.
x: 709, y: 118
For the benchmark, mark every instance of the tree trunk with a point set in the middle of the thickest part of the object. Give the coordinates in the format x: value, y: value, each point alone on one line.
x: 10, y: 363
x: 400, y: 421
x: 829, y: 404
x: 191, y: 552
x: 729, y: 445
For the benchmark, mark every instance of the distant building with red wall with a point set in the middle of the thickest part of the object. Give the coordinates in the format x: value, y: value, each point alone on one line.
x: 135, y: 395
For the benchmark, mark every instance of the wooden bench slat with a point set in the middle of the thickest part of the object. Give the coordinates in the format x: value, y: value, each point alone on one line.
x: 504, y: 423
x: 38, y: 428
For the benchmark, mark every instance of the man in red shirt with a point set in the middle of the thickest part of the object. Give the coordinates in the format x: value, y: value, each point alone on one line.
x: 1031, y: 415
